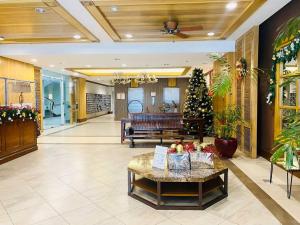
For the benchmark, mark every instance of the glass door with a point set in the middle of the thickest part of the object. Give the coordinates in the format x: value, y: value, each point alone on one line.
x: 53, y: 102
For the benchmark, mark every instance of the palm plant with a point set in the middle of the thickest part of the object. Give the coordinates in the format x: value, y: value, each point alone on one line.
x: 287, y: 143
x: 287, y: 30
x: 222, y: 81
x: 226, y: 122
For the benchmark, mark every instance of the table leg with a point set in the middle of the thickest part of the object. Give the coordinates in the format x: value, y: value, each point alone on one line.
x: 289, y: 184
x: 200, y: 194
x: 158, y: 193
x: 226, y: 181
x: 271, y: 172
x: 129, y: 183
x: 122, y: 132
x: 131, y: 145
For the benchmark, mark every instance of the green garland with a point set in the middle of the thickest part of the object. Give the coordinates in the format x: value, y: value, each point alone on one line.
x: 8, y: 113
x: 283, y: 55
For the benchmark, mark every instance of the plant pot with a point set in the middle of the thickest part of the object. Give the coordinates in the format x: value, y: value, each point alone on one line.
x: 226, y: 148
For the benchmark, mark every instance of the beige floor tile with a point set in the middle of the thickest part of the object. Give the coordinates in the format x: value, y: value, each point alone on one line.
x: 111, y: 221
x: 69, y: 203
x: 145, y: 216
x: 23, y: 202
x: 168, y: 222
x: 88, y: 215
x: 5, y: 220
x: 53, y: 221
x: 253, y: 214
x: 32, y: 215
x: 196, y: 218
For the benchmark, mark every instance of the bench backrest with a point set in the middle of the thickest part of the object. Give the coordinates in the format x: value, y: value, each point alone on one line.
x: 156, y: 121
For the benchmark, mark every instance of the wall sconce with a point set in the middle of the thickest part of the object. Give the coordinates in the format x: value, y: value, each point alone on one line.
x: 153, y: 94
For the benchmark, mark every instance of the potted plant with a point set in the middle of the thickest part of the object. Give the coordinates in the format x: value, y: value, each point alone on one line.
x: 287, y: 143
x: 226, y: 123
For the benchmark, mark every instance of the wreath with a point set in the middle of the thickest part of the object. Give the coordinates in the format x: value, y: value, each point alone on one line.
x: 242, y: 68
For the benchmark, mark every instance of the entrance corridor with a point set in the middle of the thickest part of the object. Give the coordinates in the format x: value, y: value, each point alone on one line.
x: 79, y: 177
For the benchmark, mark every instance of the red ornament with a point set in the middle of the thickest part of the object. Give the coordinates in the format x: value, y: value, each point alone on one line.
x: 189, y: 147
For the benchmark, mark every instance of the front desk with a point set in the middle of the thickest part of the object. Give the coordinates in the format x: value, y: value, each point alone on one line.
x: 17, y: 138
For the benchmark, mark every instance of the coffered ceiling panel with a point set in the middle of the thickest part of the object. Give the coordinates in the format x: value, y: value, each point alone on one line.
x: 143, y: 20
x: 39, y: 21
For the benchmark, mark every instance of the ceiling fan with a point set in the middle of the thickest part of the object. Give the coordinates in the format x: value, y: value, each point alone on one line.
x: 171, y: 27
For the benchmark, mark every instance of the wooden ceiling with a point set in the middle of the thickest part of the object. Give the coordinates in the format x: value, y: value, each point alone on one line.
x: 20, y: 23
x: 144, y: 18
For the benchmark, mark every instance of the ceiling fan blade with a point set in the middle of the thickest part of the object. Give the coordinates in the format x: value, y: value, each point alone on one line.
x: 181, y: 35
x: 194, y: 28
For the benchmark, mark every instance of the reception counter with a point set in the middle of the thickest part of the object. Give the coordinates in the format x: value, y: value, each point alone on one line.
x: 17, y: 138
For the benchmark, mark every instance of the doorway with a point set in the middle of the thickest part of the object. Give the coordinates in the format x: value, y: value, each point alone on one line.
x: 53, y: 102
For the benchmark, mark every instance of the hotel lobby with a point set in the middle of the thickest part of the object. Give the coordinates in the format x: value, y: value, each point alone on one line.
x: 127, y: 112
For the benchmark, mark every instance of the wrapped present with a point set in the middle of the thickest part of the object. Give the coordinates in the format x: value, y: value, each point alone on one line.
x: 179, y: 161
x: 202, y: 160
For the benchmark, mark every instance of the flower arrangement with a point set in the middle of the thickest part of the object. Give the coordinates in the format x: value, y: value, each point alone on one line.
x: 9, y: 113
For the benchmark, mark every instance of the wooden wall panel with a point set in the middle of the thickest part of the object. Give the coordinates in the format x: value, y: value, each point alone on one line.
x: 13, y: 69
x: 81, y: 100
x: 121, y: 105
x: 246, y: 92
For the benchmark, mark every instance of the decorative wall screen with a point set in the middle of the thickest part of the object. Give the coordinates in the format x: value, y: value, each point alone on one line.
x: 246, y: 92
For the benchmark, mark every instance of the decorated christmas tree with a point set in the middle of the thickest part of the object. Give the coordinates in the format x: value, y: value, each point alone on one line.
x: 198, y: 103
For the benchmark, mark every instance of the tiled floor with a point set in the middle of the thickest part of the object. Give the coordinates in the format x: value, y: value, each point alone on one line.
x: 84, y: 182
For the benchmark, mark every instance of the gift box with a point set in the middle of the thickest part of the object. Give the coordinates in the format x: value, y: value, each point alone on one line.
x: 179, y: 161
x: 202, y: 160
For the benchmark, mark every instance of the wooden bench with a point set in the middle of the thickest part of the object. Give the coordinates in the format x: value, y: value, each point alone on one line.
x: 161, y: 126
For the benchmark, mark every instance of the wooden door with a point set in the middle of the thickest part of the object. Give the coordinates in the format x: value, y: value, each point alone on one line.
x: 246, y: 93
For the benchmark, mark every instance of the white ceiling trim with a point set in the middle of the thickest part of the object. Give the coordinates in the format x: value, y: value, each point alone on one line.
x: 77, y: 10
x: 118, y: 48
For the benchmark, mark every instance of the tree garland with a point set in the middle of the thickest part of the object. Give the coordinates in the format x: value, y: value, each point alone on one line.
x: 283, y: 55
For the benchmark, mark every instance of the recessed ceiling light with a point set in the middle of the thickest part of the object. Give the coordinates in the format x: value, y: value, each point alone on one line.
x: 231, y: 5
x: 210, y: 33
x: 33, y: 60
x: 124, y: 65
x: 114, y: 8
x: 2, y: 38
x: 129, y: 35
x: 40, y: 10
x: 51, y: 65
x: 77, y: 36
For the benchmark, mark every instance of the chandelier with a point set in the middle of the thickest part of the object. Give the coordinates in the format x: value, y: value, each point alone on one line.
x: 142, y: 78
x: 120, y: 79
